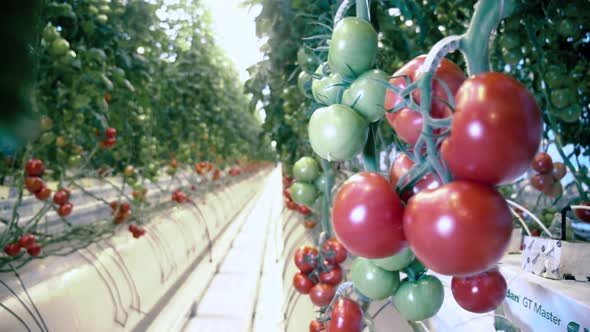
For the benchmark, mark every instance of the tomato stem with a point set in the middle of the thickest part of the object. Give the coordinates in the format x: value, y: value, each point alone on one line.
x: 362, y: 10
x: 370, y: 154
x: 476, y: 40
x: 327, y: 201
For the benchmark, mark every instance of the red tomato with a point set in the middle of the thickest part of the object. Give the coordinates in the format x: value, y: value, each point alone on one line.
x: 316, y: 326
x: 407, y: 123
x: 543, y: 163
x: 542, y: 182
x: 34, y: 249
x: 583, y: 215
x: 333, y: 251
x: 60, y: 197
x: 291, y: 205
x: 26, y: 240
x: 12, y: 249
x: 304, y: 210
x: 65, y: 210
x: 322, y: 294
x: 496, y: 130
x: 34, y: 167
x: 125, y: 207
x: 287, y: 194
x: 333, y: 276
x: 110, y: 132
x: 367, y: 216
x: 461, y: 228
x: 309, y: 224
x: 306, y: 259
x: 402, y: 166
x: 347, y: 316
x: 43, y: 193
x: 479, y: 293
x: 302, y: 283
x: 33, y: 184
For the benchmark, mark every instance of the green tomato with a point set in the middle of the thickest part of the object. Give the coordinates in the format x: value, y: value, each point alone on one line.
x: 50, y: 33
x: 419, y: 300
x: 92, y: 10
x: 320, y: 182
x: 59, y: 47
x: 571, y: 113
x: 306, y: 60
x: 395, y: 262
x: 327, y: 90
x: 304, y: 83
x: 373, y: 281
x: 562, y: 98
x: 74, y: 161
x: 303, y: 193
x: 366, y: 95
x: 102, y: 18
x: 337, y: 132
x: 353, y: 47
x: 306, y: 169
x: 554, y: 77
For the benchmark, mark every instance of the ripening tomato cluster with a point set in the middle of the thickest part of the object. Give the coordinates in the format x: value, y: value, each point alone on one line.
x: 136, y: 231
x: 547, y: 180
x: 319, y: 271
x: 203, y: 167
x: 108, y: 138
x: 172, y: 167
x: 121, y: 211
x: 27, y: 242
x: 234, y: 171
x: 180, y: 197
x: 62, y: 199
x: 33, y: 182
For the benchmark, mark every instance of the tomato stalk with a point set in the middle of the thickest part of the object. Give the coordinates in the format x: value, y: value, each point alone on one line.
x: 362, y: 10
x: 327, y: 200
x: 370, y: 153
x: 475, y: 42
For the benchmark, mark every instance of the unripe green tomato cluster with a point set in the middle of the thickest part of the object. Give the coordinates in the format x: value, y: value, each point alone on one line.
x: 417, y: 297
x: 339, y: 131
x: 305, y: 171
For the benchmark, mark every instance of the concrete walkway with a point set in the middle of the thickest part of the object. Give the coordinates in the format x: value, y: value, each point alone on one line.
x: 246, y: 292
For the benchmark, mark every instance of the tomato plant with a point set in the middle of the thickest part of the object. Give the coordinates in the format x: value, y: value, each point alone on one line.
x: 366, y: 207
x: 466, y: 230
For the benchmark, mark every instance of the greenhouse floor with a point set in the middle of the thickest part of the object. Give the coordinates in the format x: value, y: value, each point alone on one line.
x: 245, y: 294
